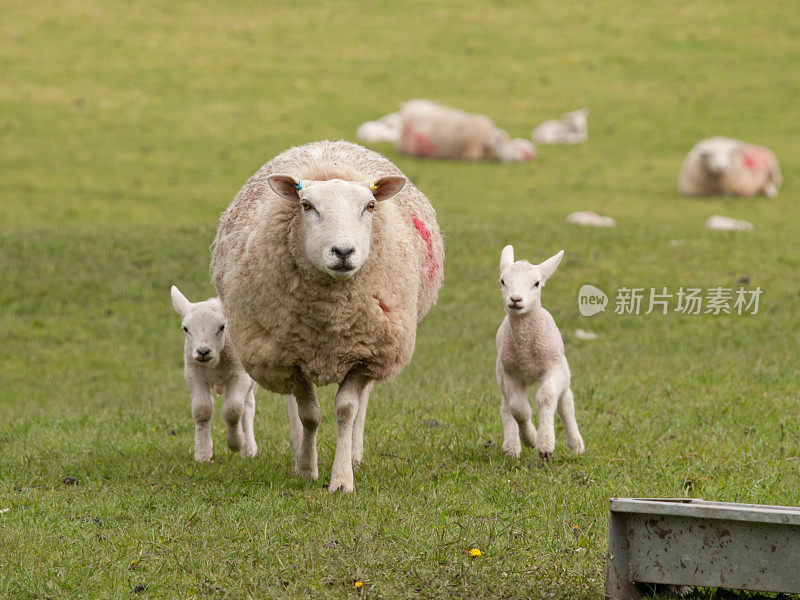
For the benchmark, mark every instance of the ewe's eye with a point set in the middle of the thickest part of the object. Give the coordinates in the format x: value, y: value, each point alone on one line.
x: 502, y: 282
x: 536, y: 284
x: 306, y: 205
x: 222, y: 327
x: 371, y: 206
x: 185, y: 329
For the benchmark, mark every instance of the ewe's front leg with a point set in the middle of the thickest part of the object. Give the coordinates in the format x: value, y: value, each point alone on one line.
x: 305, y: 461
x: 202, y: 411
x: 233, y: 409
x: 249, y: 448
x: 295, y: 426
x: 358, y: 425
x: 546, y: 402
x: 515, y: 399
x: 347, y: 403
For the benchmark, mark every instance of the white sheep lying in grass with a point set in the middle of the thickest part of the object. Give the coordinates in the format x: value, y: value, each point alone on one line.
x: 325, y: 262
x: 431, y: 130
x: 721, y: 165
x: 572, y: 128
x: 210, y: 364
x: 530, y: 350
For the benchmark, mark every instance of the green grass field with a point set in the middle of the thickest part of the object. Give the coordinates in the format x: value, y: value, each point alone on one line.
x: 127, y: 127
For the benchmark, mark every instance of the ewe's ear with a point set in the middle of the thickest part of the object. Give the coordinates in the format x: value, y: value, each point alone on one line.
x: 384, y: 188
x: 179, y: 301
x: 285, y: 185
x: 549, y: 266
x: 506, y: 257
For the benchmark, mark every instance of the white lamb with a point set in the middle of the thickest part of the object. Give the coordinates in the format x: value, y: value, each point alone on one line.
x: 530, y: 350
x: 721, y: 165
x: 210, y: 364
x: 325, y: 262
x: 385, y: 129
x: 571, y: 128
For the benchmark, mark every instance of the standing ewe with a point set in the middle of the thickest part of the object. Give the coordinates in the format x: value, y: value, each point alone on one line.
x: 325, y: 262
x: 572, y: 128
x: 209, y: 363
x: 721, y: 165
x: 530, y: 350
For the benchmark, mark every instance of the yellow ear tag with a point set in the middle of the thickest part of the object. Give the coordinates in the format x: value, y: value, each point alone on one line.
x: 374, y: 187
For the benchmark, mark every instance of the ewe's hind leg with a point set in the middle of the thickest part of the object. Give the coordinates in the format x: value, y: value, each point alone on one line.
x: 305, y: 461
x: 358, y: 424
x: 295, y: 426
x: 202, y: 411
x: 233, y: 410
x: 249, y: 448
x: 547, y: 401
x: 566, y: 409
x: 347, y: 400
x: 516, y: 414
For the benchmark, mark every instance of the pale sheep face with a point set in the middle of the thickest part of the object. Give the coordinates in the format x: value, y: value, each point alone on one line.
x: 521, y: 282
x: 203, y: 326
x: 336, y: 218
x: 716, y: 162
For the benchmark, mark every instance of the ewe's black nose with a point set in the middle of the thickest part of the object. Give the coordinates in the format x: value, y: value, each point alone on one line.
x: 343, y: 253
x: 515, y: 299
x: 203, y: 352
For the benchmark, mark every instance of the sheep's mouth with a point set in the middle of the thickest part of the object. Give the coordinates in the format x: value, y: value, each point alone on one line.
x: 515, y: 307
x: 342, y: 270
x: 204, y: 360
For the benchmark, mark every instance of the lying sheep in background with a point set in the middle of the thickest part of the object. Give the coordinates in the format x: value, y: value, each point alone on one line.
x: 385, y: 129
x: 325, y: 262
x: 209, y: 363
x: 433, y: 130
x: 721, y: 165
x: 530, y: 350
x: 572, y: 128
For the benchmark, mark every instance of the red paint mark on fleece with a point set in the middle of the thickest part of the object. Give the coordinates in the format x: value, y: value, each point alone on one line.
x: 382, y: 306
x: 755, y: 159
x: 425, y: 234
x: 420, y: 144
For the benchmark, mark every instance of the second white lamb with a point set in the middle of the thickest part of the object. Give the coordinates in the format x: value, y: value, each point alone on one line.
x: 530, y: 351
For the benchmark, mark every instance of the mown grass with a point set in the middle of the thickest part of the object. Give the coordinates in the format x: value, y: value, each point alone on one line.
x: 128, y: 127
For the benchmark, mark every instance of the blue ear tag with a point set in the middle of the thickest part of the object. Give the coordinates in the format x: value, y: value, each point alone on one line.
x: 298, y: 186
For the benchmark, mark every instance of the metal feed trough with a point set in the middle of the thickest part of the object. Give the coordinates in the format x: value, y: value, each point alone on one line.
x: 698, y: 543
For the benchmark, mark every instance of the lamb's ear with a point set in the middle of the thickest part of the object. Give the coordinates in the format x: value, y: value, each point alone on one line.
x: 179, y: 301
x: 285, y: 185
x: 506, y: 257
x: 384, y: 188
x: 549, y: 266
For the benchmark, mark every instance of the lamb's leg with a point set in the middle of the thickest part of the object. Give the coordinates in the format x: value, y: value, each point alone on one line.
x: 249, y: 448
x: 202, y: 411
x: 346, y: 408
x: 546, y: 402
x: 358, y: 425
x: 516, y: 398
x: 296, y: 427
x: 511, y: 444
x: 233, y: 409
x: 566, y: 409
x: 305, y: 461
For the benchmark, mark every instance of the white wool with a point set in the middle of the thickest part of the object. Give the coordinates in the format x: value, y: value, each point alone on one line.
x: 572, y: 128
x: 721, y: 223
x: 590, y: 218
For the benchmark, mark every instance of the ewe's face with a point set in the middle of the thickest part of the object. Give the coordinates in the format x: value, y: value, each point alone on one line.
x: 336, y: 218
x: 336, y: 221
x: 716, y: 161
x: 521, y: 287
x: 204, y: 329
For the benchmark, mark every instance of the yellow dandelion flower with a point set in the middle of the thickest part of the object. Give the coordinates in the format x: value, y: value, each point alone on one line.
x: 358, y: 583
x: 474, y: 552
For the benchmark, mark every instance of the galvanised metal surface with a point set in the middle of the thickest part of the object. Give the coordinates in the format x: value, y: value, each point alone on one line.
x: 709, y: 544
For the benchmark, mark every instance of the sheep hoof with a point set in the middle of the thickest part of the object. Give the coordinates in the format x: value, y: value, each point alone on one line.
x: 576, y: 446
x: 248, y: 451
x: 340, y: 486
x: 204, y: 458
x: 512, y: 452
x: 307, y: 473
x: 546, y: 456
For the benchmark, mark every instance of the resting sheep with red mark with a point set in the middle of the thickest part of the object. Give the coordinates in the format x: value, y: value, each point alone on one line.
x: 325, y: 263
x: 721, y: 165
